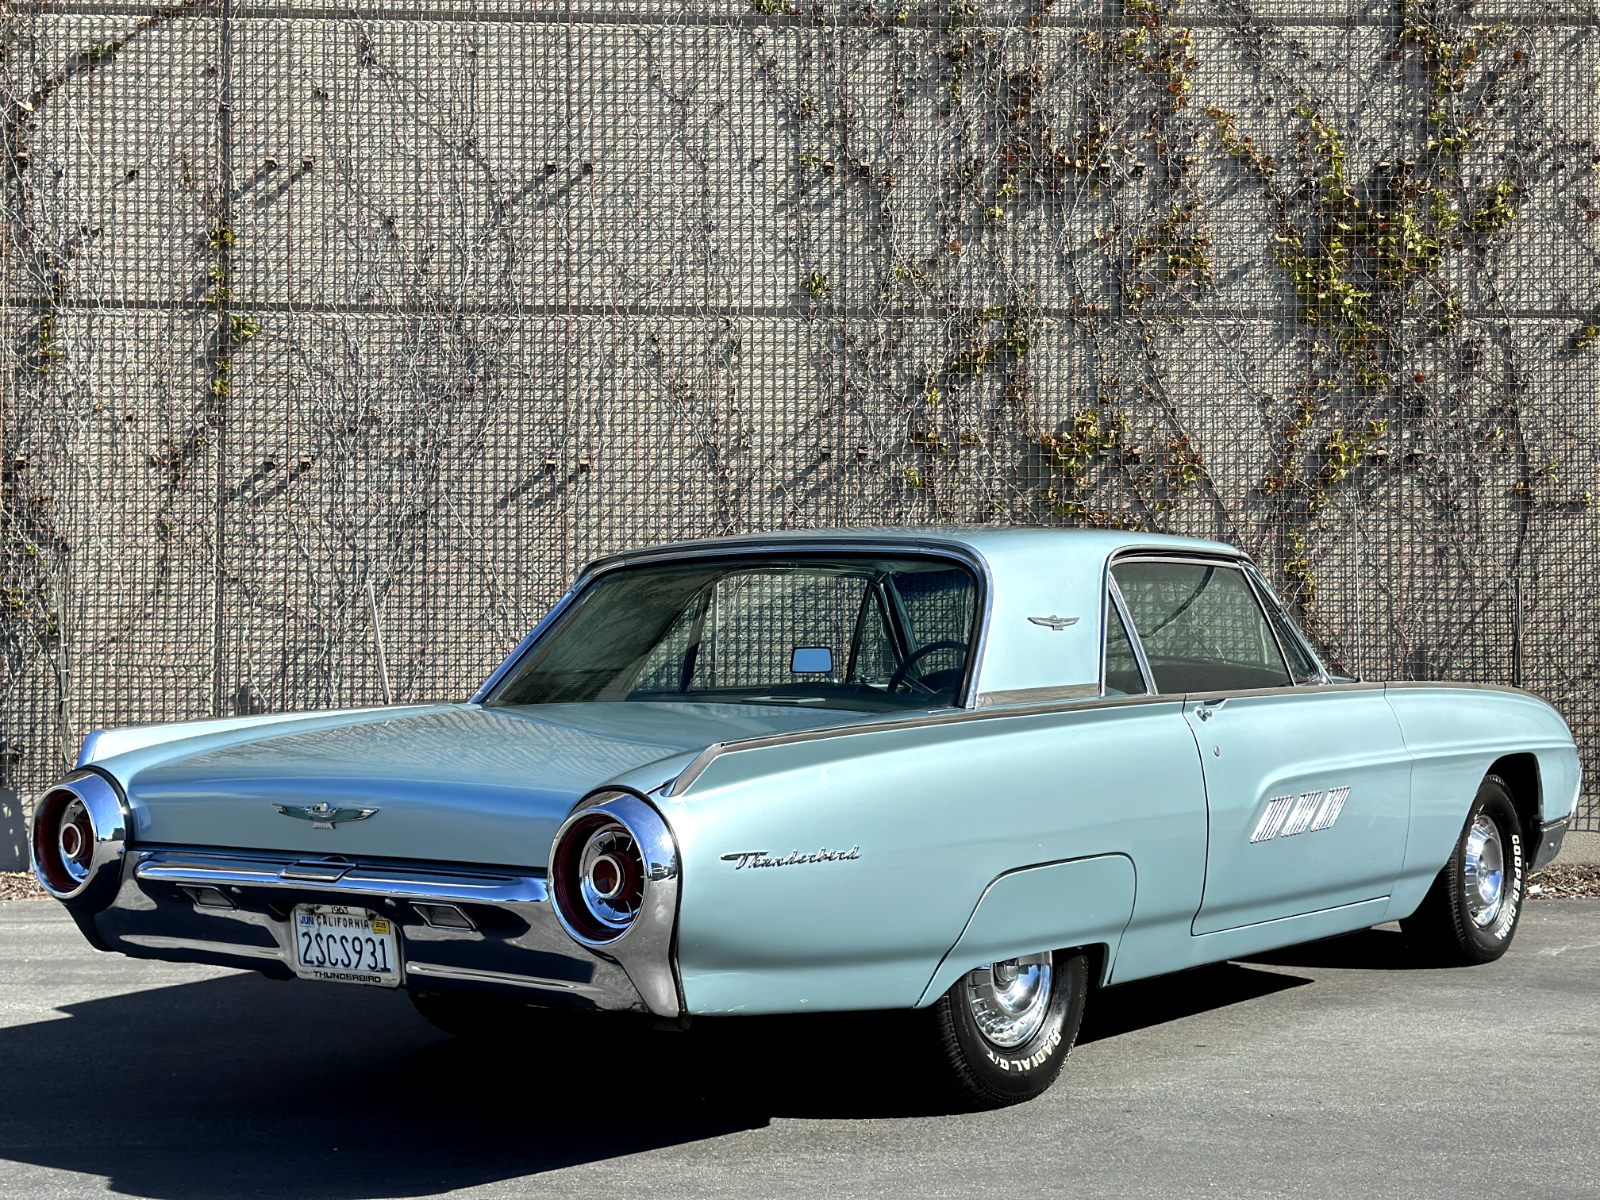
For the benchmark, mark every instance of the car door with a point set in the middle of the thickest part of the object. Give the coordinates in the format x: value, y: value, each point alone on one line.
x: 1307, y: 782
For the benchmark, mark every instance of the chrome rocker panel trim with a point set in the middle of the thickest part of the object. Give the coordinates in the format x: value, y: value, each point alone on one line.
x: 232, y: 909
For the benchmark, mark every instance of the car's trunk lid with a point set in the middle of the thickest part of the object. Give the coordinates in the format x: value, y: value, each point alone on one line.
x: 451, y: 784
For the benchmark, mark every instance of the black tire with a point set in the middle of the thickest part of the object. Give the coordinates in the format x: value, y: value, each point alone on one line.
x: 1457, y: 925
x: 488, y: 1018
x: 977, y: 1072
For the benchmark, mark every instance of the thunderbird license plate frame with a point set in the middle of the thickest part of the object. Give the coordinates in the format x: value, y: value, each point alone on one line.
x: 340, y: 944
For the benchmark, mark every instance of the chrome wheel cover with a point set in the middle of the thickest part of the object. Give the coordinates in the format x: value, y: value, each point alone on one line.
x: 1484, y: 871
x: 1008, y: 1000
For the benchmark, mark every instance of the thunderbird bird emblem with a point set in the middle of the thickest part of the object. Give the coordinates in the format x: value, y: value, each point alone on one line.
x: 324, y: 816
x: 1056, y: 623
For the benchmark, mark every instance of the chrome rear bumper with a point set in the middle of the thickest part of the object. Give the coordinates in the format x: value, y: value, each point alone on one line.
x: 461, y: 928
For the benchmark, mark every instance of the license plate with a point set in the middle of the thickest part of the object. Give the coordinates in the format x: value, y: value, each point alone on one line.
x: 345, y: 945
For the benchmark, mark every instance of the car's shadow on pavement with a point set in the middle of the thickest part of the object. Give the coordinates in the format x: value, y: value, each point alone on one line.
x: 1366, y: 950
x: 240, y: 1086
x: 1131, y: 1007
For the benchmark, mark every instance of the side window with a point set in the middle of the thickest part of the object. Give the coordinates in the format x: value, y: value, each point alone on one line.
x: 1201, y: 627
x: 1122, y: 668
x: 1302, y: 664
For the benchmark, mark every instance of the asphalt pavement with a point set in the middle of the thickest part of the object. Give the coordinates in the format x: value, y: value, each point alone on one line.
x: 1330, y: 1070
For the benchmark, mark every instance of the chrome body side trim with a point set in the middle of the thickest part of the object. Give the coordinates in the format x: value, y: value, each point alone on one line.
x: 923, y: 720
x: 1039, y: 695
x: 1551, y: 835
x: 989, y: 712
x: 1453, y: 685
x: 510, y: 943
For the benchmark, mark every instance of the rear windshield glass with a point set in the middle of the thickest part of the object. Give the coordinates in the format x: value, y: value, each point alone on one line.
x: 870, y: 634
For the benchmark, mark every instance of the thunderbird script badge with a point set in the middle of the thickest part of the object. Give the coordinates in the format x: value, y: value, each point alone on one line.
x: 324, y: 816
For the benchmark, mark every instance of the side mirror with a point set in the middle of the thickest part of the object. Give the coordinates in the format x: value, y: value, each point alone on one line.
x: 811, y: 660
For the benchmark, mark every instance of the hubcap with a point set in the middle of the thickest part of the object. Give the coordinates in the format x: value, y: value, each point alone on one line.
x: 1008, y: 1000
x: 1484, y: 871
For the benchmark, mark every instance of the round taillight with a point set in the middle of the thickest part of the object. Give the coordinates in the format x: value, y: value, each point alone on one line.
x: 63, y: 841
x: 614, y: 885
x: 77, y: 840
x: 598, y: 877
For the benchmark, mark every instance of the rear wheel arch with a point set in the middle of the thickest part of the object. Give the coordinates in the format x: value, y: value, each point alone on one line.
x: 1099, y: 956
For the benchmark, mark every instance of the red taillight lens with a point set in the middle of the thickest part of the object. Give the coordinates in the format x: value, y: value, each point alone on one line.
x: 63, y: 841
x: 597, y: 878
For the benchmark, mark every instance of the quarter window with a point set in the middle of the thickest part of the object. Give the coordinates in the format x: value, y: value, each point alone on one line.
x: 1201, y: 627
x: 1122, y: 668
x: 1302, y: 664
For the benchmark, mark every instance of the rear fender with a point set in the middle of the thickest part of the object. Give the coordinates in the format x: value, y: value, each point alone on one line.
x: 1081, y: 902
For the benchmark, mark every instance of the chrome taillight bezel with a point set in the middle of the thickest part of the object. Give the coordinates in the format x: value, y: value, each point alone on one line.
x: 643, y: 943
x: 83, y: 874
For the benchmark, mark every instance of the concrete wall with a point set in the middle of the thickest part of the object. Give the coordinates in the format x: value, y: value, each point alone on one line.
x: 456, y: 298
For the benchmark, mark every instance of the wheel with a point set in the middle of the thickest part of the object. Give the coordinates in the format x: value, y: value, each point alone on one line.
x: 486, y: 1018
x: 1002, y: 1033
x: 1471, y: 912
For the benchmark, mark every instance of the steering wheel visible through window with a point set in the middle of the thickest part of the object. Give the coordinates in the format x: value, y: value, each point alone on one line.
x: 927, y: 683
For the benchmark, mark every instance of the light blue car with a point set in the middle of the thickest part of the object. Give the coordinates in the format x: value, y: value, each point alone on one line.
x: 971, y: 774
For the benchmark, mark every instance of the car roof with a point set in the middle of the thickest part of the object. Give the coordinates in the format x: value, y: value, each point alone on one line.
x: 992, y: 543
x: 1045, y: 605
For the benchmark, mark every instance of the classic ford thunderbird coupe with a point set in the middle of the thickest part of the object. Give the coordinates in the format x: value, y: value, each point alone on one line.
x: 969, y: 774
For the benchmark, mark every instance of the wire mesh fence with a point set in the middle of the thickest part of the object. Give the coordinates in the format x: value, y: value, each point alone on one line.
x: 453, y: 297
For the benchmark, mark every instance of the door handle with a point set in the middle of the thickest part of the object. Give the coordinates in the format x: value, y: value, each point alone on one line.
x: 1205, y: 708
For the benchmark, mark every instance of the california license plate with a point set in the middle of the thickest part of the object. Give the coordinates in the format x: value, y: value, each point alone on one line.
x: 345, y: 945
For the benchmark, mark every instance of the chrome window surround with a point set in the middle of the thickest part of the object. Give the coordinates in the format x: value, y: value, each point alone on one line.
x: 1115, y: 600
x: 108, y: 813
x: 645, y: 949
x: 1238, y: 562
x: 736, y: 548
x: 1268, y: 599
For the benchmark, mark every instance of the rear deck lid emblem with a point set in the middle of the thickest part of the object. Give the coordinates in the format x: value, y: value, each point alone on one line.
x: 1056, y: 623
x: 324, y: 816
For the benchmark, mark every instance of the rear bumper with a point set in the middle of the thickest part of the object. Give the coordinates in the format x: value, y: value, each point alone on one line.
x: 232, y: 909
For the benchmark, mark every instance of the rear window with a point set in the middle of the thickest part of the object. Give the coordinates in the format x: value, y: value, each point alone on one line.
x: 858, y: 633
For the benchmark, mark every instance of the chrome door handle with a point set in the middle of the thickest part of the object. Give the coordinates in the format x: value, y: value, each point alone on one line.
x: 1206, y: 707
